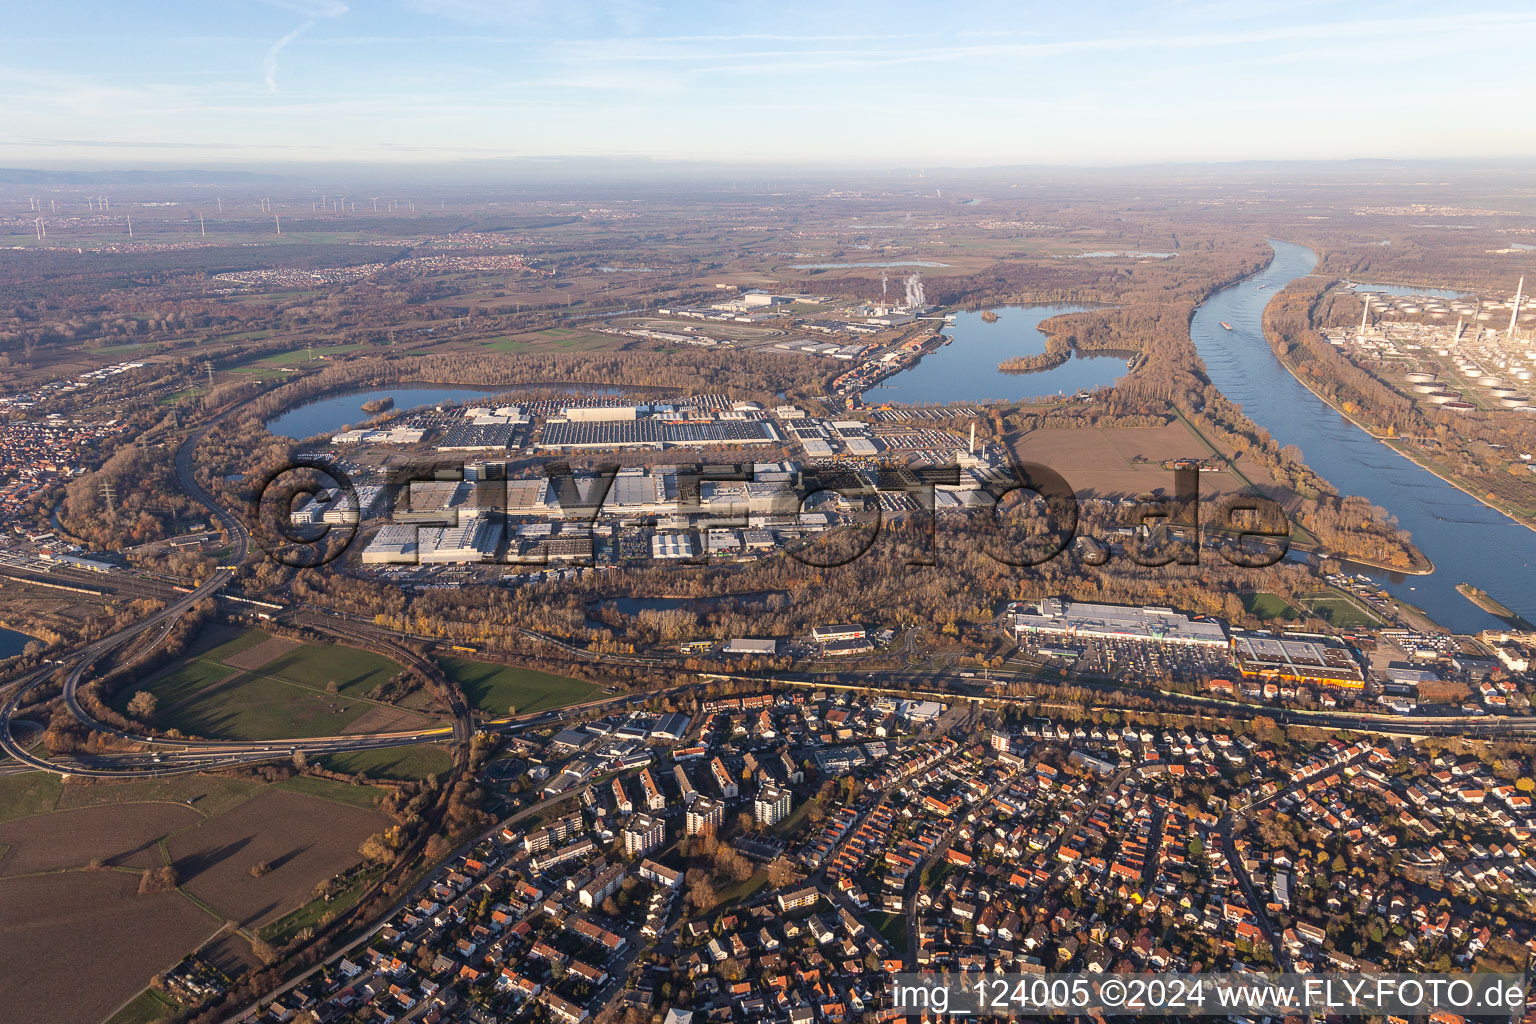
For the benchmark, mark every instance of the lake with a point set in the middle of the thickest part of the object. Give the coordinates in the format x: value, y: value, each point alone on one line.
x: 1467, y: 541
x: 331, y: 413
x: 1411, y: 289
x: 13, y: 643
x: 328, y: 415
x: 966, y: 370
x: 1136, y: 254
x: 887, y: 263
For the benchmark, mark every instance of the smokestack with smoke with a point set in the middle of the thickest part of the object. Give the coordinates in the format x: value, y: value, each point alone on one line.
x: 915, y: 297
x: 885, y: 279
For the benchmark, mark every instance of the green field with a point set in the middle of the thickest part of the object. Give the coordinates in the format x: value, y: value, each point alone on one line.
x: 494, y: 688
x: 311, y: 913
x: 797, y: 820
x: 1341, y: 611
x: 257, y: 708
x: 180, y: 682
x: 22, y: 796
x: 893, y: 927
x: 293, y: 355
x: 413, y: 762
x: 734, y: 894
x: 146, y: 1008
x: 218, y: 642
x: 1268, y: 606
x: 203, y: 696
x: 355, y: 672
x: 569, y: 339
x: 366, y: 797
x: 209, y: 794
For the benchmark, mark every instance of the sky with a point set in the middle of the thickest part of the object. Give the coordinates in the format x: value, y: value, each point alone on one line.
x: 828, y: 83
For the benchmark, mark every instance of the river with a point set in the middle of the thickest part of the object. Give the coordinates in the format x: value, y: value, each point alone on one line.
x: 1467, y: 541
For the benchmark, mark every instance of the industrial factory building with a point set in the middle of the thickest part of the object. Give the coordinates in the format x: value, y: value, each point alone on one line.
x: 637, y: 427
x: 747, y: 645
x: 831, y: 634
x: 1057, y: 617
x: 407, y: 543
x: 1297, y: 659
x: 474, y: 541
x: 672, y: 545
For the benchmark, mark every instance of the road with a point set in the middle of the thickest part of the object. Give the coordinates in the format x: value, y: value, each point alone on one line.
x: 1256, y: 899
x: 169, y: 757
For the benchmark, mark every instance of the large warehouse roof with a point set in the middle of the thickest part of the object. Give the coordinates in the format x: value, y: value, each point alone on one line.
x: 1119, y: 622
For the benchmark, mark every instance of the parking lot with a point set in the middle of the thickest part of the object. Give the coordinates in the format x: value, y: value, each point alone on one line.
x: 1127, y: 661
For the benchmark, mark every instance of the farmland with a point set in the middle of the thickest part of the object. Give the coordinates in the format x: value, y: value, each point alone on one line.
x: 71, y: 857
x: 494, y: 688
x: 77, y: 944
x: 301, y: 839
x: 114, y: 834
x: 250, y: 685
x: 559, y: 338
x: 1117, y: 462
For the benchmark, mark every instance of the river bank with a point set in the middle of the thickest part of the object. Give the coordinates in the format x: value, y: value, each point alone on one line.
x: 1396, y: 444
x: 1489, y: 604
x: 1449, y: 525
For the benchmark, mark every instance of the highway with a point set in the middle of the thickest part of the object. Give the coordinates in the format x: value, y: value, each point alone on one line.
x: 169, y: 757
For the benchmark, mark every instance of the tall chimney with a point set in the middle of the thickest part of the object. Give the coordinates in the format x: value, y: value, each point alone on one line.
x: 1514, y: 314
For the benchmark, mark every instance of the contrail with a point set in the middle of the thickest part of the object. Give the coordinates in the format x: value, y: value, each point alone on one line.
x: 313, y: 11
x: 269, y: 62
